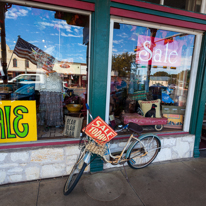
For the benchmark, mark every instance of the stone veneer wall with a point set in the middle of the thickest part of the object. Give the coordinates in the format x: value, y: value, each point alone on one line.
x: 38, y: 163
x: 31, y: 164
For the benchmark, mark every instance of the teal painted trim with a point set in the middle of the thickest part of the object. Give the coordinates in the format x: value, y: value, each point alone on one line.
x: 99, y: 64
x: 99, y: 58
x: 198, y: 86
x: 199, y: 106
x: 97, y: 164
x: 157, y: 13
x: 140, y: 138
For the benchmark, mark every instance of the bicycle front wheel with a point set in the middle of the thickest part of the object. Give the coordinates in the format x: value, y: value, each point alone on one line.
x: 74, y: 176
x: 144, y: 152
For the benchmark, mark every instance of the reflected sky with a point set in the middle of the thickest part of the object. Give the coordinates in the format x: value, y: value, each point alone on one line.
x: 125, y: 39
x: 40, y: 28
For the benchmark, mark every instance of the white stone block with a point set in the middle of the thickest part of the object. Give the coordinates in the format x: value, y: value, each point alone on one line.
x: 15, y: 178
x: 2, y: 176
x: 182, y: 148
x: 69, y: 169
x: 71, y: 159
x: 112, y: 146
x: 70, y: 150
x: 164, y: 154
x: 32, y: 173
x: 22, y: 165
x: 53, y: 170
x: 47, y: 155
x: 168, y: 142
x: 122, y: 144
x: 22, y: 156
x: 15, y: 170
x: 8, y: 165
x: 189, y: 138
x: 175, y: 154
x: 2, y: 156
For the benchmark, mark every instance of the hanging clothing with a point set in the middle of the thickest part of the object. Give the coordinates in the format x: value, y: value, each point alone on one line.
x: 51, y: 98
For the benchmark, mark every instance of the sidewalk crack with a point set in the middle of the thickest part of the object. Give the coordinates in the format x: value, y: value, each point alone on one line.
x: 126, y: 177
x: 38, y: 194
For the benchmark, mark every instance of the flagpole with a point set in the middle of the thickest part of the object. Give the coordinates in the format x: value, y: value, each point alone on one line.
x: 13, y: 52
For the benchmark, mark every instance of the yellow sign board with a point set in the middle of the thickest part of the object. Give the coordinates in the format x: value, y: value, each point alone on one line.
x: 18, y: 121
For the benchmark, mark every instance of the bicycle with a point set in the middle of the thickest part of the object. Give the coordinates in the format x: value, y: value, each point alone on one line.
x: 138, y: 152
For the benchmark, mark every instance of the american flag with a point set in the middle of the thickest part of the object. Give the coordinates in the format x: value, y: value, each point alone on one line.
x: 24, y: 49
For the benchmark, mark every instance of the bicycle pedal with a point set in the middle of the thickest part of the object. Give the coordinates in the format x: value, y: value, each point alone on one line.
x: 132, y: 161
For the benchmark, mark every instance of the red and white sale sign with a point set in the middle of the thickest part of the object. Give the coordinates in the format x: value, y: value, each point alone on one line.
x: 100, y: 131
x: 159, y: 52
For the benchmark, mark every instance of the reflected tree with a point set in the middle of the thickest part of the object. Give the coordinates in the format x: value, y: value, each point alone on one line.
x: 122, y: 63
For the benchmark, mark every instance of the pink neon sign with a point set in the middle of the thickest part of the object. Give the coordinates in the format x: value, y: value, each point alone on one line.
x: 158, y: 52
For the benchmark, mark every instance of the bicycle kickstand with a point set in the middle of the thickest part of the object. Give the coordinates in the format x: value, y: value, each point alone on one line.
x: 126, y: 176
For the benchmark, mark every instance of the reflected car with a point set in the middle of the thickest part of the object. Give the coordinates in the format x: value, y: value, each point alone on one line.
x: 26, y: 92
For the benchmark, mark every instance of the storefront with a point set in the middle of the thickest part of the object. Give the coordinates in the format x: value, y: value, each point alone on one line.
x: 131, y: 62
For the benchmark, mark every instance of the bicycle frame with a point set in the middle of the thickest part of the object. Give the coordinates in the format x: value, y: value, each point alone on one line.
x: 118, y: 158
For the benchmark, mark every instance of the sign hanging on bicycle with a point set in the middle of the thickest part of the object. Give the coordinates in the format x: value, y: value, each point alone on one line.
x: 99, y: 131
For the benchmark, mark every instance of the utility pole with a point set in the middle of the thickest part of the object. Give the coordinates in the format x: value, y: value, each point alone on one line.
x: 3, y: 40
x: 3, y: 9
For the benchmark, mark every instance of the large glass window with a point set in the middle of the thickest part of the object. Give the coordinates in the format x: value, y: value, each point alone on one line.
x: 150, y: 77
x: 51, y: 48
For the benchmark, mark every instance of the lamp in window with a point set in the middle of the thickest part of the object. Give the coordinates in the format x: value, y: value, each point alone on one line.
x: 14, y: 62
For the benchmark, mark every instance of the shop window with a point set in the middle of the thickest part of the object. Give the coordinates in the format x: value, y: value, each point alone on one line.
x: 150, y: 77
x: 54, y: 46
x: 14, y: 62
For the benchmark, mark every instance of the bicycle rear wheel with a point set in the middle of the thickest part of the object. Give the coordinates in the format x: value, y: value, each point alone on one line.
x: 74, y: 176
x: 138, y: 158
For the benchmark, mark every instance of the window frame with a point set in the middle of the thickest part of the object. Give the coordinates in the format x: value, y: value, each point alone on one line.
x: 194, y: 66
x: 15, y: 62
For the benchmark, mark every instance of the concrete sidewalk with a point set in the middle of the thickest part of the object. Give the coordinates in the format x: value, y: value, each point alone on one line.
x: 161, y: 184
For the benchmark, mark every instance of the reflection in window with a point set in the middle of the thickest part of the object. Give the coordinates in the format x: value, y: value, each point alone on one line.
x: 26, y: 63
x: 150, y: 76
x: 14, y: 62
x: 54, y: 46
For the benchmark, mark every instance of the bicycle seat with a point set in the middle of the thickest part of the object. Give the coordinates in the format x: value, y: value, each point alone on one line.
x: 135, y: 127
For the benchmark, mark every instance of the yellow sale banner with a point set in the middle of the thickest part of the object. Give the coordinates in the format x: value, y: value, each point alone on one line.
x: 18, y: 121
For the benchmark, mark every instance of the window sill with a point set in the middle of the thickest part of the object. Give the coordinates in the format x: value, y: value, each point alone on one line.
x: 66, y: 141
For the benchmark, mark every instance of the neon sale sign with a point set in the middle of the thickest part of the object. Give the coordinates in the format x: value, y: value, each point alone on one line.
x: 158, y: 52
